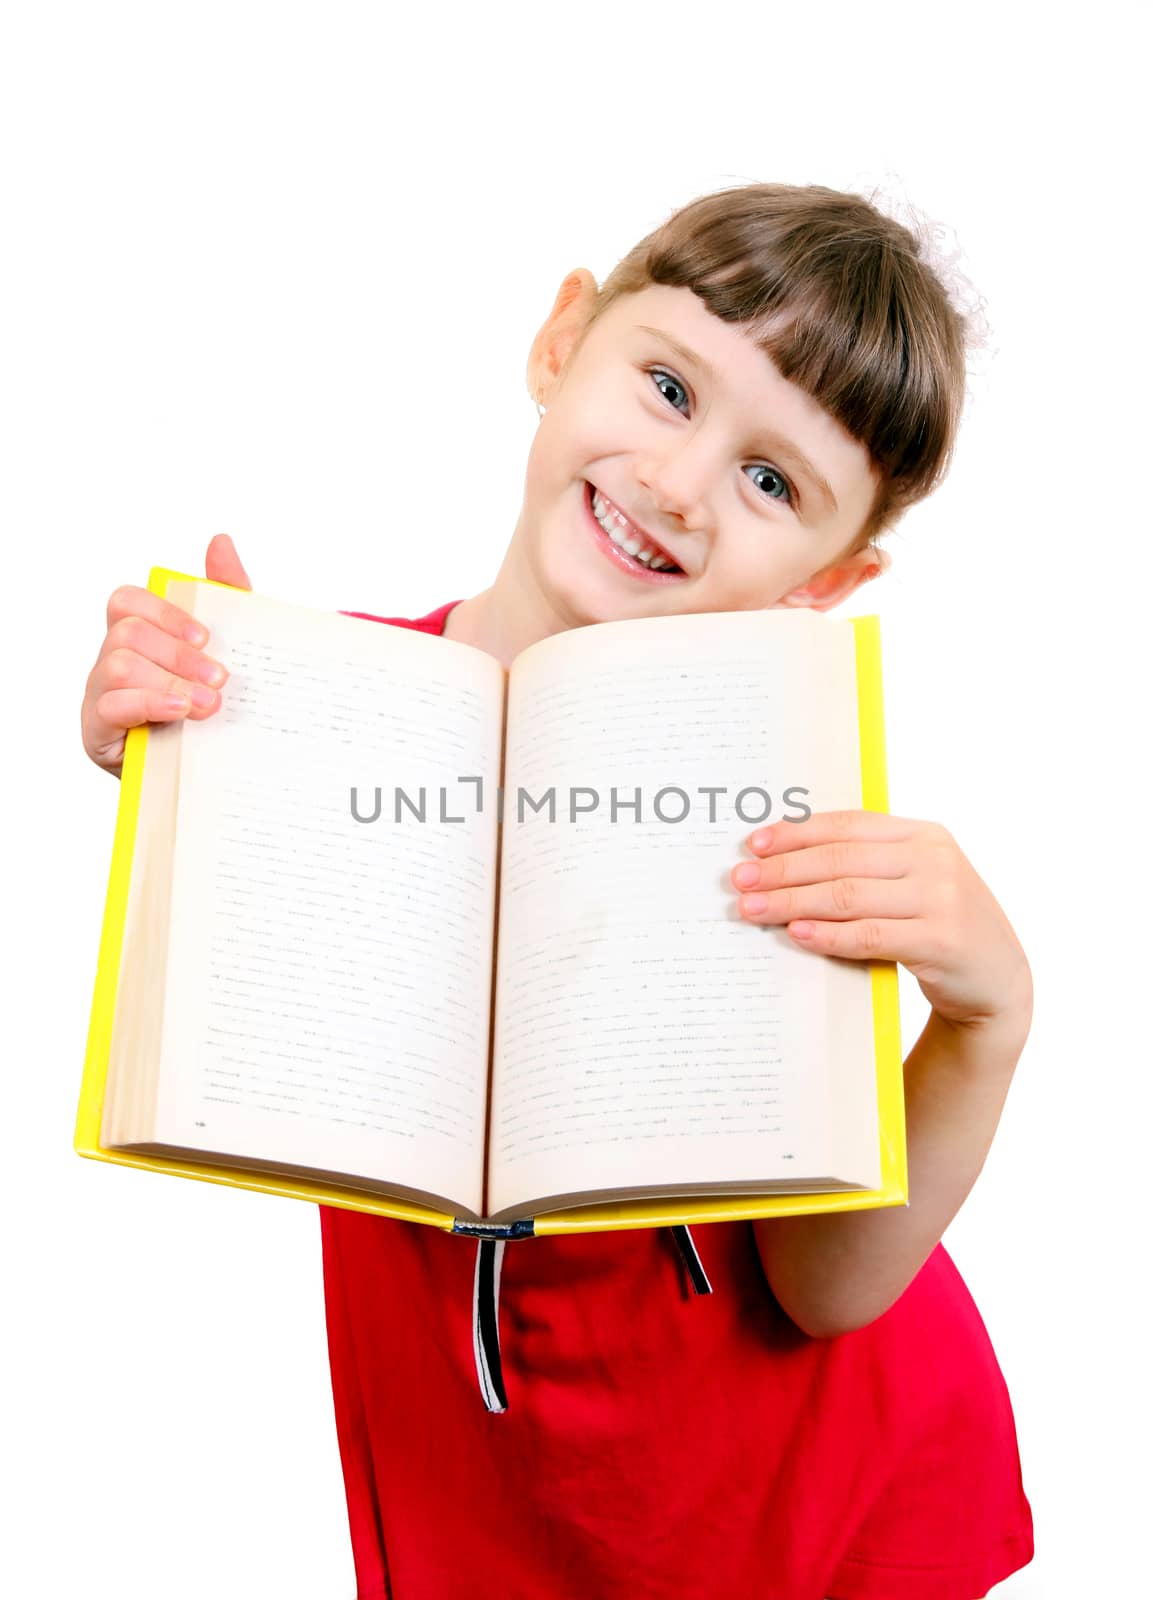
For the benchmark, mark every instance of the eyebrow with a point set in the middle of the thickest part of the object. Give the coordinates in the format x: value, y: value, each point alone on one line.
x: 782, y: 447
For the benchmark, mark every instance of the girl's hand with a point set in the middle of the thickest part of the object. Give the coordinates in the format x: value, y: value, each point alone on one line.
x: 150, y: 667
x: 868, y: 886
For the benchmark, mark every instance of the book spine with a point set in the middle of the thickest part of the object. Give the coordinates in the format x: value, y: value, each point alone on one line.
x: 522, y: 1228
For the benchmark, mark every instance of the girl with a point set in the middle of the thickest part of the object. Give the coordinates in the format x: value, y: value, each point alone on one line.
x: 789, y: 1409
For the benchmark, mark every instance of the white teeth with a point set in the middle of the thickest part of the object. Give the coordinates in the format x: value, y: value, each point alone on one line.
x: 638, y: 550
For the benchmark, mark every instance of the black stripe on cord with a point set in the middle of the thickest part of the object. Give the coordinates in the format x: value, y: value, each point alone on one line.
x: 486, y: 1332
x: 697, y: 1274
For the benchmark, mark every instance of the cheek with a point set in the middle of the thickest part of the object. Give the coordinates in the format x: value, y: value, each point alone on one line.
x: 560, y: 459
x: 542, y: 469
x: 594, y: 422
x: 756, y: 580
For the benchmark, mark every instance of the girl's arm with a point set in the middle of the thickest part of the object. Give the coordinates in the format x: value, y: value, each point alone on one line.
x: 895, y: 889
x: 838, y: 1271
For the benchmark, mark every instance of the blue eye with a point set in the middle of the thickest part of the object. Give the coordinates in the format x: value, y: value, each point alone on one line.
x: 787, y: 495
x: 662, y: 378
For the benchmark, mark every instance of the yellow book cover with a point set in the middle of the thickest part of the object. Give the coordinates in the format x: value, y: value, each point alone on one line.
x: 632, y: 1213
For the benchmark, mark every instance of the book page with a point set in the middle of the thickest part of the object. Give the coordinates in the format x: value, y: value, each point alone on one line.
x: 646, y: 1035
x: 330, y: 974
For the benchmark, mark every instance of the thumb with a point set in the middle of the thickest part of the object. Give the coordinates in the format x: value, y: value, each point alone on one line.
x: 222, y: 564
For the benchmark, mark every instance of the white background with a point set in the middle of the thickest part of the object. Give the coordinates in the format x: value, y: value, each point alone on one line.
x: 275, y: 271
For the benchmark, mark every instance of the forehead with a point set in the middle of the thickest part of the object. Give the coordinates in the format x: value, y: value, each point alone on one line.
x: 726, y: 355
x: 728, y: 348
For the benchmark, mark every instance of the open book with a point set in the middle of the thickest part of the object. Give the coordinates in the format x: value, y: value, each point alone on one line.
x: 401, y: 931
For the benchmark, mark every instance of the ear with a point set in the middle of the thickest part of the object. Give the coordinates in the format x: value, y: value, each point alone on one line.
x: 836, y: 582
x: 559, y: 333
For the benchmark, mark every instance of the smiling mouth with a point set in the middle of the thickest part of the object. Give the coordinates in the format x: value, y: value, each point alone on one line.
x: 633, y: 550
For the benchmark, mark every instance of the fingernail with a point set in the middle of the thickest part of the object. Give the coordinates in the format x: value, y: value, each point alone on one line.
x: 211, y: 672
x: 756, y: 902
x: 746, y: 876
x: 762, y: 839
x: 203, y: 697
x: 194, y: 633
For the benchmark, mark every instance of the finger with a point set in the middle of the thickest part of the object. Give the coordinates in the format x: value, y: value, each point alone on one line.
x: 145, y: 639
x: 131, y: 601
x: 820, y: 863
x: 117, y: 710
x: 823, y: 827
x: 105, y: 718
x: 870, y: 939
x: 842, y: 900
x: 222, y: 564
x: 124, y: 689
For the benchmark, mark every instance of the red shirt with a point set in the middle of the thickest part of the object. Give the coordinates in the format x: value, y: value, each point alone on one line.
x: 659, y: 1444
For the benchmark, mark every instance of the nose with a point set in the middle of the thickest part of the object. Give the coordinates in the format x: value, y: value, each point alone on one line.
x: 676, y: 483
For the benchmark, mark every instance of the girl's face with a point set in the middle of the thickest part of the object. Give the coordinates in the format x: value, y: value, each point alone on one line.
x: 749, y: 486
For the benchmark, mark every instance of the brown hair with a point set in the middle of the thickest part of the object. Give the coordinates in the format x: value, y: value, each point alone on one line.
x: 840, y: 298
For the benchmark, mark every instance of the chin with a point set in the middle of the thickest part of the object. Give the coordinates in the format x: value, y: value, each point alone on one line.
x: 574, y: 590
x: 588, y: 603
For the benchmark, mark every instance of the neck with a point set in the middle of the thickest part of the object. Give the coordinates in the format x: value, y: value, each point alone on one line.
x: 510, y: 614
